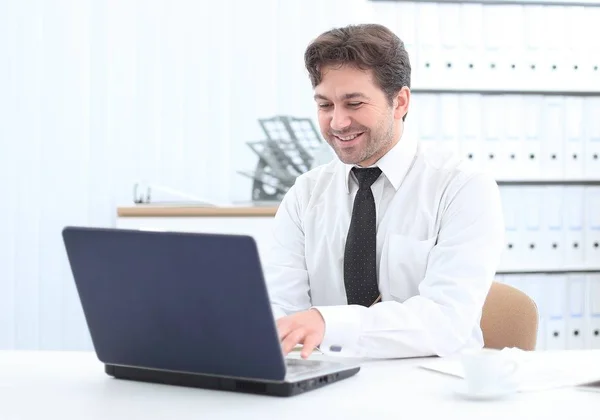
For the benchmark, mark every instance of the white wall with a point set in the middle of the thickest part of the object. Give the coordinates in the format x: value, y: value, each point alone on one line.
x: 96, y: 94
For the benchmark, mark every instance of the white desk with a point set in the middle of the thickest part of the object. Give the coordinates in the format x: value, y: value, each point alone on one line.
x: 73, y: 386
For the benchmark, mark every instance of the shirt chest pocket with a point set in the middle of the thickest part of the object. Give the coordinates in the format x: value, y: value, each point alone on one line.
x: 406, y: 264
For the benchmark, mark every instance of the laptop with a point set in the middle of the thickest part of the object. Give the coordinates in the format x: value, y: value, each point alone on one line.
x: 188, y: 309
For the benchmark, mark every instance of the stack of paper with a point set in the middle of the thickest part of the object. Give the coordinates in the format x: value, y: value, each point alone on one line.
x: 539, y: 370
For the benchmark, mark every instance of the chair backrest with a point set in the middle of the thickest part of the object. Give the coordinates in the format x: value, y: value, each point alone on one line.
x: 509, y: 318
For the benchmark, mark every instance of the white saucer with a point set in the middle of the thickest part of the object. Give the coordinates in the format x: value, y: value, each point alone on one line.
x: 496, y: 394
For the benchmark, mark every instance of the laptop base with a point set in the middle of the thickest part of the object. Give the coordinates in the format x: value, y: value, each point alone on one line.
x: 280, y: 389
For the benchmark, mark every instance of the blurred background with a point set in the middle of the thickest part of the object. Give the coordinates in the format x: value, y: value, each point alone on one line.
x: 197, y: 101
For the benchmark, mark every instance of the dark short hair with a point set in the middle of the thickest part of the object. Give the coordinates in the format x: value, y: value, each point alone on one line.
x: 366, y: 46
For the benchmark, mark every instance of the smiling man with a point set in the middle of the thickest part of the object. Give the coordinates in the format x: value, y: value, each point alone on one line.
x: 389, y: 250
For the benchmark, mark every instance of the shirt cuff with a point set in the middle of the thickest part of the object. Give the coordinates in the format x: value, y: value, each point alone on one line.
x: 342, y: 330
x: 277, y: 312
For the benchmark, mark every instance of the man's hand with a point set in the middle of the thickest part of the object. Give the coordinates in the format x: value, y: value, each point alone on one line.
x: 306, y: 328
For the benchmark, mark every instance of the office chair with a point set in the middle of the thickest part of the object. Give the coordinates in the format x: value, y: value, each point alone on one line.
x: 509, y: 318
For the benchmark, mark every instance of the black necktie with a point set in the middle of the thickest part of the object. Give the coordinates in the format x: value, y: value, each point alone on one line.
x: 360, y: 267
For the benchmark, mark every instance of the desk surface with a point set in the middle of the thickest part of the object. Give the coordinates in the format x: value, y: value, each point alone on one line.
x: 72, y: 385
x: 191, y: 211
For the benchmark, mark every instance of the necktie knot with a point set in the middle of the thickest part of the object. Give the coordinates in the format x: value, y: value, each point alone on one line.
x: 366, y: 176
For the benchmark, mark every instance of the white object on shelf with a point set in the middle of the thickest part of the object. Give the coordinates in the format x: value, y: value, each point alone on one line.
x: 147, y: 193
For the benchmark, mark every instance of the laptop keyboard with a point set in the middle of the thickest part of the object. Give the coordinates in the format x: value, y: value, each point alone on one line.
x: 300, y: 366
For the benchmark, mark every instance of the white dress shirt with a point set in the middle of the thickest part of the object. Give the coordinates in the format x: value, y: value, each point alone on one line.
x: 440, y: 235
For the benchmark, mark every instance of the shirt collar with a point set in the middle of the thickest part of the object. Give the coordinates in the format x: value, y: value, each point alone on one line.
x: 394, y: 164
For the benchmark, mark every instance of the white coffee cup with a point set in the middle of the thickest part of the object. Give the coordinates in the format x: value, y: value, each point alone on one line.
x: 489, y: 372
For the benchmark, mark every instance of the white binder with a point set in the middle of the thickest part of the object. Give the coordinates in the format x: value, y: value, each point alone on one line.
x: 576, y: 325
x: 592, y: 146
x: 592, y: 226
x: 552, y: 247
x: 534, y: 26
x: 427, y: 112
x: 574, y: 138
x: 553, y: 68
x: 555, y: 312
x: 471, y: 60
x: 533, y: 136
x: 594, y: 310
x: 450, y: 111
x: 577, y: 56
x: 428, y: 71
x: 511, y: 158
x: 449, y: 36
x: 470, y: 128
x: 573, y: 224
x: 532, y: 235
x: 495, y: 65
x: 406, y: 14
x: 493, y: 133
x: 552, y: 158
x: 589, y: 46
x: 514, y: 67
x: 513, y: 247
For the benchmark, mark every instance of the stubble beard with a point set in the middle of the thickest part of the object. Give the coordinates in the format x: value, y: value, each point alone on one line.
x: 373, y: 146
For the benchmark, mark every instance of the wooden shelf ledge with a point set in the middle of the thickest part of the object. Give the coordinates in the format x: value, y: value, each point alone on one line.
x: 182, y: 211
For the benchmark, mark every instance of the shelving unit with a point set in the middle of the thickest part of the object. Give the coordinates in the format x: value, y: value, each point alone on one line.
x: 524, y: 105
x: 566, y: 270
x: 508, y: 91
x: 502, y: 2
x: 548, y: 182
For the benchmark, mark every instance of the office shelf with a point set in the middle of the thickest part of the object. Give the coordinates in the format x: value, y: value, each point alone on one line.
x: 563, y: 270
x: 532, y: 182
x: 505, y: 92
x: 502, y: 2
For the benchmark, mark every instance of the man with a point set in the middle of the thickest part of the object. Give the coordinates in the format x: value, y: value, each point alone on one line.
x: 391, y: 250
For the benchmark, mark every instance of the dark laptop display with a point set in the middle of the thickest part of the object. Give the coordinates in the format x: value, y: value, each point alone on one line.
x: 185, y: 309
